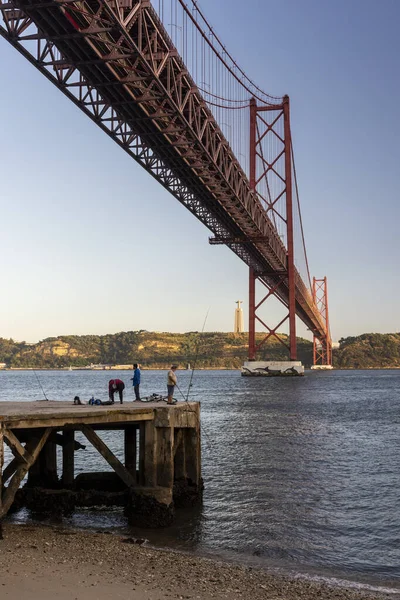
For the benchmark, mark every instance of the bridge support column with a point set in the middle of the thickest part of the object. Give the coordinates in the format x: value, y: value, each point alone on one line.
x: 289, y: 226
x: 271, y: 178
x: 252, y: 315
x: 322, y: 345
x: 252, y: 277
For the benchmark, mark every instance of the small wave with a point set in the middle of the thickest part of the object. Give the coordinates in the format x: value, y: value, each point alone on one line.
x: 345, y: 583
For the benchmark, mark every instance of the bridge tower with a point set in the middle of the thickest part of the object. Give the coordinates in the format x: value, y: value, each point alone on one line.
x: 322, y: 345
x: 274, y: 171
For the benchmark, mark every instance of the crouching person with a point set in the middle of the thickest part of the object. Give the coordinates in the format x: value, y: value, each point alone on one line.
x: 116, y: 385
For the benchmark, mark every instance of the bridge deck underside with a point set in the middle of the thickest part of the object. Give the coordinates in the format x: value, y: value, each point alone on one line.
x: 141, y: 94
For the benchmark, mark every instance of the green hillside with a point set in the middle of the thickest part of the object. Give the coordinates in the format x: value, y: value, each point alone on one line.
x: 369, y: 350
x: 214, y: 349
x: 150, y: 349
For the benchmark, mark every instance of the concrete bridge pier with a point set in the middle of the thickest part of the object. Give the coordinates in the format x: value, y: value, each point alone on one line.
x: 272, y: 368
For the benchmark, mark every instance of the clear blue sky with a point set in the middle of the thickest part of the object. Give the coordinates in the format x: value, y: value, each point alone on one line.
x: 90, y: 243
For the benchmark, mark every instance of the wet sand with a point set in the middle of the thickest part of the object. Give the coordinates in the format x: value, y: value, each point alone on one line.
x: 43, y: 563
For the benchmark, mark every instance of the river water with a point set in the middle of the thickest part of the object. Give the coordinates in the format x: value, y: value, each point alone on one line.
x: 301, y: 474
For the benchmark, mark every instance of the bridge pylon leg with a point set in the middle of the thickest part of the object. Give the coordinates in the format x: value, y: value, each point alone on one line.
x: 252, y: 314
x: 289, y: 229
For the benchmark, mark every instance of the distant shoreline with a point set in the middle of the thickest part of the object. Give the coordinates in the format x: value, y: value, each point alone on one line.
x: 223, y: 350
x: 117, y: 368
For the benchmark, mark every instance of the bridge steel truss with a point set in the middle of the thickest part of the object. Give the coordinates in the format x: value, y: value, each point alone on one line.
x: 115, y: 61
x: 322, y: 345
x: 269, y: 121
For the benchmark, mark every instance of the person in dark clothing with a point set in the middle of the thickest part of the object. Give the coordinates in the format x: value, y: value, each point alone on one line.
x: 136, y: 381
x: 116, y: 385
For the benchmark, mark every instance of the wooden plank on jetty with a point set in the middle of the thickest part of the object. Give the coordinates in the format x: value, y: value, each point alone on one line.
x: 24, y: 415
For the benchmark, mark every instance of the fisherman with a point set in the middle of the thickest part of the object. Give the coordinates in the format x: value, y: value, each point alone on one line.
x: 171, y: 383
x: 136, y: 381
x: 115, y: 385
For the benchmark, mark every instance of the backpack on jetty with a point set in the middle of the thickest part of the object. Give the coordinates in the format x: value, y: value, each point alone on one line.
x: 97, y: 402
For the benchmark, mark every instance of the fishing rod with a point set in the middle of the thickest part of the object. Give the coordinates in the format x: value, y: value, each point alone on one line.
x: 182, y: 394
x: 38, y: 380
x: 195, y: 358
x: 209, y: 441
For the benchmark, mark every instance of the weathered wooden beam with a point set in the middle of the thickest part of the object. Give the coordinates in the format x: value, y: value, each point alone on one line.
x: 106, y: 453
x: 62, y: 440
x: 10, y: 469
x: 130, y: 449
x: 68, y: 446
x: 34, y: 447
x: 15, y: 445
x: 60, y: 421
x: 34, y: 475
x: 142, y: 452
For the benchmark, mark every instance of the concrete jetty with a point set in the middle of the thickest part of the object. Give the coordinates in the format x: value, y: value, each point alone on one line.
x: 161, y: 468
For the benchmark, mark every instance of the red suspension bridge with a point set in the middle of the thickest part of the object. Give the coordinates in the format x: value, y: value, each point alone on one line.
x: 158, y: 80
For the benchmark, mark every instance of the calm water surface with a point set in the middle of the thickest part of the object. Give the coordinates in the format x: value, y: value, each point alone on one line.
x: 300, y: 474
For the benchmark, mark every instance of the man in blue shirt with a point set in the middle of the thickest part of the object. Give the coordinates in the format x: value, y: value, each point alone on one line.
x: 136, y: 381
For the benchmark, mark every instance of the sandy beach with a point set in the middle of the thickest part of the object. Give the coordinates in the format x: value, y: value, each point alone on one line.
x: 43, y: 563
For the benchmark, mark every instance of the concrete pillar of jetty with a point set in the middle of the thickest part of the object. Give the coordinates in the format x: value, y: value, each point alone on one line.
x: 180, y: 455
x: 172, y: 466
x: 151, y: 503
x: 130, y: 441
x: 188, y: 484
x: 193, y: 455
x: 164, y: 431
x: 150, y: 455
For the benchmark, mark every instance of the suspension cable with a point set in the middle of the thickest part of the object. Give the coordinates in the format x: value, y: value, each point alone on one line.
x: 300, y: 217
x: 251, y: 87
